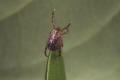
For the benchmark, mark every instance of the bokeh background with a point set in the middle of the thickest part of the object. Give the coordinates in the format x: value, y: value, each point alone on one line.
x: 91, y: 49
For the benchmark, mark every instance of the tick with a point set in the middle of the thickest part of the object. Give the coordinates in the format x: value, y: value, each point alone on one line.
x: 55, y: 41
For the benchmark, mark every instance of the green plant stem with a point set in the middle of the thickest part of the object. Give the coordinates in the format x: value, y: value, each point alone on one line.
x: 55, y: 67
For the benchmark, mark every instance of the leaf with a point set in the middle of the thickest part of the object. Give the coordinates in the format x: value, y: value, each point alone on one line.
x: 55, y: 67
x: 8, y: 8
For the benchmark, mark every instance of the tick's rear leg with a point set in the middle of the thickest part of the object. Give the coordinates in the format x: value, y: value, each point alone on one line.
x: 60, y: 52
x: 45, y: 52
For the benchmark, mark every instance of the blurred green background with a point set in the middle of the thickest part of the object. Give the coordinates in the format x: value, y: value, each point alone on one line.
x: 91, y: 49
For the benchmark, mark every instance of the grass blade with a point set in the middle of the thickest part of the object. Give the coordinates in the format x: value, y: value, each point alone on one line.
x: 55, y: 67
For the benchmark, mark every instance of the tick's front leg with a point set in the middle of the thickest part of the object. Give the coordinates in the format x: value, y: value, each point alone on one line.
x: 65, y: 30
x: 53, y: 17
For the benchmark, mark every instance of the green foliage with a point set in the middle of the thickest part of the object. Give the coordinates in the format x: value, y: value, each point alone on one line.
x: 55, y: 67
x: 91, y: 49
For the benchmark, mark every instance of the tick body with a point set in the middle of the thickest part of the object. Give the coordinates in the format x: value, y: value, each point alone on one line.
x: 55, y: 41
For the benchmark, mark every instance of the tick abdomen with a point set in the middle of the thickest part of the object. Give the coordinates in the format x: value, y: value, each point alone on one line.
x: 54, y: 44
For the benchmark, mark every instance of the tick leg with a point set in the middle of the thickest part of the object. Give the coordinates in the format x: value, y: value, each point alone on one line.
x: 53, y: 17
x: 46, y: 52
x: 60, y: 52
x: 65, y: 30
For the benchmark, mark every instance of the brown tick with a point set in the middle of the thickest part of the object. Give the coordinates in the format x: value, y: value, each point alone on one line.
x: 54, y: 41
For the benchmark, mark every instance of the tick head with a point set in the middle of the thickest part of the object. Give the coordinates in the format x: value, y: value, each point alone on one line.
x: 56, y: 33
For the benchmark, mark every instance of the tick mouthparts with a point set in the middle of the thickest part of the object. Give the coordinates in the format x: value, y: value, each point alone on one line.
x: 54, y: 9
